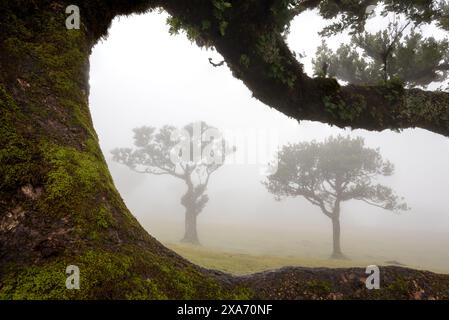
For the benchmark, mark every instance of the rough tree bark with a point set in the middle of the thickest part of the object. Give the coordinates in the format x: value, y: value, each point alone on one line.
x: 260, y: 57
x: 59, y: 206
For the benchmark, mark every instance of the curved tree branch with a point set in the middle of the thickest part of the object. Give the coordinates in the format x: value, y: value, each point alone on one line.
x: 277, y: 79
x: 83, y: 219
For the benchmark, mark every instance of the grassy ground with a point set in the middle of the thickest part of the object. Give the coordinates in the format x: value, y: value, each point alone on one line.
x: 239, y: 263
x: 242, y: 249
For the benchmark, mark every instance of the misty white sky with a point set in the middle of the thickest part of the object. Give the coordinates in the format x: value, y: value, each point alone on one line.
x: 141, y: 76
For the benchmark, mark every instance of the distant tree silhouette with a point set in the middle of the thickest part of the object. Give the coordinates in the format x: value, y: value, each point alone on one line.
x: 329, y: 173
x: 372, y: 58
x: 192, y: 154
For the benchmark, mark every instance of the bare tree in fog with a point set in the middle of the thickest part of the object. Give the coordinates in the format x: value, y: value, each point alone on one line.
x: 329, y: 173
x: 191, y: 154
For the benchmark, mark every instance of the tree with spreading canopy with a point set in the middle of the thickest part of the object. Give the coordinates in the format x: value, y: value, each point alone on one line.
x: 388, y: 55
x: 191, y: 154
x: 58, y: 203
x: 329, y: 173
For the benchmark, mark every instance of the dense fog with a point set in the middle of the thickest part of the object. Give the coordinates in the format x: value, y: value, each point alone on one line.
x: 142, y: 76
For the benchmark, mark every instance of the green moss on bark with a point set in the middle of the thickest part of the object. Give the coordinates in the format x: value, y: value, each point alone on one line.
x: 77, y: 217
x: 59, y: 204
x: 127, y: 274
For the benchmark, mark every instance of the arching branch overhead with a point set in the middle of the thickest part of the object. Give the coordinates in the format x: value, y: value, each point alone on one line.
x: 59, y: 205
x: 250, y: 35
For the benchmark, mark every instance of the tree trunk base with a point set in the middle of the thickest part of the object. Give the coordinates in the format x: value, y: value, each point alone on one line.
x: 195, y: 242
x: 338, y: 256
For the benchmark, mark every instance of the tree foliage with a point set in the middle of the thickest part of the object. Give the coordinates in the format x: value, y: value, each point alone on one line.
x: 49, y: 133
x: 251, y: 37
x: 329, y: 173
x: 339, y: 169
x: 196, y: 150
x: 192, y: 154
x: 373, y: 58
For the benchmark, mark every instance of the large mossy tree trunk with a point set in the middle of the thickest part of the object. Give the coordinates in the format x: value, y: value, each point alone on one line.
x: 58, y: 205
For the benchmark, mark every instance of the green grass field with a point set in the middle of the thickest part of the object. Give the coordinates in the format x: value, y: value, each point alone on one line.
x: 242, y: 249
x: 239, y: 263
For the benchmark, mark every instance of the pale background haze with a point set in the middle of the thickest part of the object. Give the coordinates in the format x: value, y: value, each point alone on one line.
x: 140, y: 75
